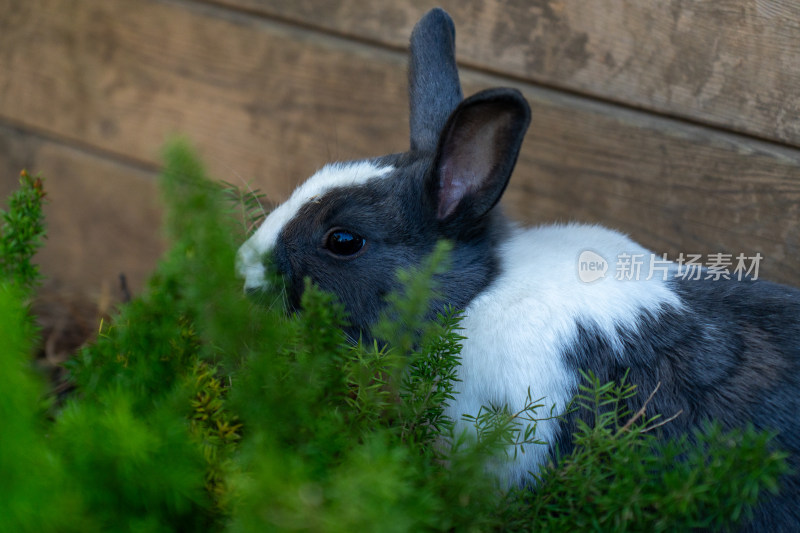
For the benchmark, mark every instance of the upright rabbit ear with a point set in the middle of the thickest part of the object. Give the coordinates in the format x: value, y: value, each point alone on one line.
x: 433, y: 85
x: 477, y: 151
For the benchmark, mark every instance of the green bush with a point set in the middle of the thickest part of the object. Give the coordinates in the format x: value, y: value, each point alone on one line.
x: 197, y: 410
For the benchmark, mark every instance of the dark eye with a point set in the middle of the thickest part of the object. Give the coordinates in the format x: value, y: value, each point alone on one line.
x: 344, y: 243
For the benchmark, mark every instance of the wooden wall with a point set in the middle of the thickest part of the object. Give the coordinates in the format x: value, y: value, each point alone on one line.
x: 677, y: 122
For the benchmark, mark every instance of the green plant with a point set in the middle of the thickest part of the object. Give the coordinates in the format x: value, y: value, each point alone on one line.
x: 620, y: 477
x: 198, y: 410
x: 22, y: 231
x: 31, y: 471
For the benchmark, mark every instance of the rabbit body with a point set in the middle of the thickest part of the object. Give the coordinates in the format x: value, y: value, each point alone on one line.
x: 520, y: 328
x: 726, y: 350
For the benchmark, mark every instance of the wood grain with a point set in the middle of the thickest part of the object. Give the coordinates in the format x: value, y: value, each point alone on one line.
x: 672, y: 187
x: 102, y: 217
x: 730, y: 63
x: 269, y: 103
x: 258, y: 99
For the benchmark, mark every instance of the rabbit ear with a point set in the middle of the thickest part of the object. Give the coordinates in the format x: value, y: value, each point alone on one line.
x: 477, y: 152
x: 433, y: 85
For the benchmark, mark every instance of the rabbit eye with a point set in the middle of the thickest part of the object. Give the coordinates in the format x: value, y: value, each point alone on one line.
x: 344, y: 243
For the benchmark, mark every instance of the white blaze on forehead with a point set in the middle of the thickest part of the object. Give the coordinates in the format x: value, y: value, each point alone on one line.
x: 329, y: 177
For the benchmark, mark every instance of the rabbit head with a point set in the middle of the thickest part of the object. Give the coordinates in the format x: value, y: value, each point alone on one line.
x: 352, y: 225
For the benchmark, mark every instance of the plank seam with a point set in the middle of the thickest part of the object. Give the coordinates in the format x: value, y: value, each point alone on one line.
x: 79, y: 145
x: 218, y: 7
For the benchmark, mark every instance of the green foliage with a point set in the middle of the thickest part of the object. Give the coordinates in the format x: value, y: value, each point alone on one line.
x: 197, y: 410
x: 22, y: 232
x: 621, y: 478
x: 215, y: 428
x: 31, y: 472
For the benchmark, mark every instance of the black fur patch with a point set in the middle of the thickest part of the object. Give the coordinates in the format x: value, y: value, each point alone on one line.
x: 732, y: 355
x: 399, y: 224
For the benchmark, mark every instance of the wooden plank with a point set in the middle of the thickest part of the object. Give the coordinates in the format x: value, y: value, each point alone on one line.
x: 258, y: 99
x: 273, y: 103
x: 729, y: 63
x: 674, y: 188
x: 102, y: 216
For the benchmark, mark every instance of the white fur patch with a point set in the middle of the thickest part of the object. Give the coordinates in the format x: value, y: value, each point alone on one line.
x: 517, y: 328
x: 332, y: 176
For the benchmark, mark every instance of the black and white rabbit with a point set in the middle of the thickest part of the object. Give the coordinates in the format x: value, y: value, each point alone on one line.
x: 726, y: 350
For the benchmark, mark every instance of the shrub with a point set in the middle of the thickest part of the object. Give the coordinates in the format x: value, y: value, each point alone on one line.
x: 197, y: 410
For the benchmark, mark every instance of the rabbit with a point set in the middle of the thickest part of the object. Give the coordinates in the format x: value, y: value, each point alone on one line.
x: 724, y: 350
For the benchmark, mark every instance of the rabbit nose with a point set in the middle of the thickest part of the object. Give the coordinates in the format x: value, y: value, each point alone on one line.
x: 249, y: 266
